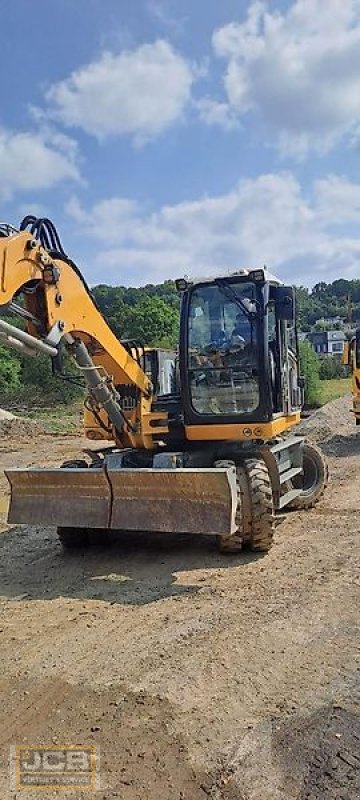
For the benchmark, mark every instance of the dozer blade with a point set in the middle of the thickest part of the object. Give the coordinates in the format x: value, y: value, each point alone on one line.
x: 174, y: 501
x: 67, y: 497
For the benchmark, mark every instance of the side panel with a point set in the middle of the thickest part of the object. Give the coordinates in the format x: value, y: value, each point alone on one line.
x: 252, y: 431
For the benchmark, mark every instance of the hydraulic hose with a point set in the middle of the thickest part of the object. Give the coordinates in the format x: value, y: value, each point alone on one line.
x: 98, y: 386
x: 16, y: 334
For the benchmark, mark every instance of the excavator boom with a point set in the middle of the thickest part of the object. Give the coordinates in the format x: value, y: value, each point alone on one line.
x: 60, y: 308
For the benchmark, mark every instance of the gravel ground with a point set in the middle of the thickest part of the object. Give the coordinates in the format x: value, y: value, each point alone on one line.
x: 196, y: 675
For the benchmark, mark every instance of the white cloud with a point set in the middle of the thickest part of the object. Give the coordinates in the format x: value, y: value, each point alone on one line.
x: 33, y: 208
x: 297, y: 71
x: 338, y: 200
x: 139, y: 93
x: 266, y: 220
x: 111, y: 218
x: 34, y: 161
x: 215, y: 113
x: 166, y: 16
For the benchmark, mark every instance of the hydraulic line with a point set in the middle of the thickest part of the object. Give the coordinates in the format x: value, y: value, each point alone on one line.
x: 12, y: 333
x: 14, y: 308
x: 98, y: 385
x: 15, y: 344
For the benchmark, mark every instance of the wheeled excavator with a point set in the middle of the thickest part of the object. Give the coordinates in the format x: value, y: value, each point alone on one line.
x: 201, y: 440
x: 351, y: 357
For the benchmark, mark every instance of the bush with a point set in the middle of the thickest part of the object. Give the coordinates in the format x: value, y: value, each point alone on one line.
x: 10, y: 371
x: 310, y: 368
x: 40, y: 385
x: 332, y: 367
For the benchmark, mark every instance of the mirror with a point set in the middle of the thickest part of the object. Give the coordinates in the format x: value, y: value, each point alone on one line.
x: 284, y: 297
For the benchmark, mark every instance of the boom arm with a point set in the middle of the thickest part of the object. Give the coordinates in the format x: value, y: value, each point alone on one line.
x: 58, y: 306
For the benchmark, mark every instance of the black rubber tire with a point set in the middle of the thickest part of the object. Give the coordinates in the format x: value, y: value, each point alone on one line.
x: 78, y: 463
x: 232, y: 543
x: 260, y: 533
x: 314, y: 480
x: 255, y: 510
x: 73, y: 538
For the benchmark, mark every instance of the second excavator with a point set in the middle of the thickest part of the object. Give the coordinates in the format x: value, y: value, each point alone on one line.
x: 196, y: 441
x: 351, y: 357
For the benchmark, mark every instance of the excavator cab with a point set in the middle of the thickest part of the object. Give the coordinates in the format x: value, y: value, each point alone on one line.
x: 238, y: 352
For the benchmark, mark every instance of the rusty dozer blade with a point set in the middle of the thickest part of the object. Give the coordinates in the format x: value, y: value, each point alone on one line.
x: 201, y: 501
x: 174, y: 500
x: 69, y: 497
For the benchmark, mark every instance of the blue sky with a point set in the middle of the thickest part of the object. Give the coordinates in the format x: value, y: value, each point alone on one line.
x: 171, y: 137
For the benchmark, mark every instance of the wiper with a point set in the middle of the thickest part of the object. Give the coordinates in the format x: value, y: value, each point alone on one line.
x: 229, y: 292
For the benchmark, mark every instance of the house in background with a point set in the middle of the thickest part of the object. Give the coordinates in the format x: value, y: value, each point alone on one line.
x: 330, y: 322
x: 327, y: 343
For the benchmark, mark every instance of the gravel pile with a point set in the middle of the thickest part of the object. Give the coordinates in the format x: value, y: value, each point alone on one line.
x: 332, y: 421
x: 14, y: 425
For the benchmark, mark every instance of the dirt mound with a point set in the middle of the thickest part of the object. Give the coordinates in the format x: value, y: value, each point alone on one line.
x: 333, y: 419
x: 13, y: 425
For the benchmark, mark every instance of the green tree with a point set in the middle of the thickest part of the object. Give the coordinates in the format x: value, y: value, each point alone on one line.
x: 320, y: 289
x: 341, y: 288
x: 40, y: 384
x: 10, y: 372
x: 309, y: 368
x: 332, y: 367
x: 153, y: 322
x: 320, y: 325
x: 148, y: 314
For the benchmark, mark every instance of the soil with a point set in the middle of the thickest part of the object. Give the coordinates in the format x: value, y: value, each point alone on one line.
x: 15, y: 425
x: 197, y: 675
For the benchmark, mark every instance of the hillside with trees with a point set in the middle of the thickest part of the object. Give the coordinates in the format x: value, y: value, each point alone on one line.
x: 150, y: 314
x: 328, y: 300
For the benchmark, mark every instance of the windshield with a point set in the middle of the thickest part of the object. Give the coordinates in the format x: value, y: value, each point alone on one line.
x: 223, y: 373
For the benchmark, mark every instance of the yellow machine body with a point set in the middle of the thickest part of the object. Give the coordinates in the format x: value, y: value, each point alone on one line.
x: 173, y: 467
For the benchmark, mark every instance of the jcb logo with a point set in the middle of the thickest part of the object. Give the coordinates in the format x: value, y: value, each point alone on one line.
x: 60, y: 767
